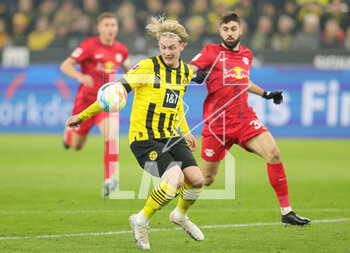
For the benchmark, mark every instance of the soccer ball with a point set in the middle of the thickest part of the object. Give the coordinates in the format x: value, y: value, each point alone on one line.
x: 111, y: 97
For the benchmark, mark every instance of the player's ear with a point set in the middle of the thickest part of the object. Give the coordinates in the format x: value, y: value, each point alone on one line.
x: 219, y: 29
x: 182, y: 46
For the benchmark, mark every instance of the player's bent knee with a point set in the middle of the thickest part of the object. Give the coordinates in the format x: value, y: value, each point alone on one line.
x: 200, y: 182
x: 274, y: 155
x: 180, y: 183
x: 197, y: 183
x: 174, y: 177
x: 209, y: 180
x: 76, y: 147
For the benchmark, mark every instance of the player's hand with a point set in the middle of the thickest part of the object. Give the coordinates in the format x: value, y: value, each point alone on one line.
x: 73, y: 121
x: 275, y: 95
x: 192, y: 143
x: 86, y: 80
x: 200, y: 77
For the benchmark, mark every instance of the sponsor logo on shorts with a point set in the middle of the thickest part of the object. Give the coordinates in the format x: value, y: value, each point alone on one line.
x: 209, y: 152
x: 153, y: 155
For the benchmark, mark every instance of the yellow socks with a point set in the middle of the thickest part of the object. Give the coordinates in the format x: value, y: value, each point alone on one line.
x: 161, y: 195
x: 188, y: 195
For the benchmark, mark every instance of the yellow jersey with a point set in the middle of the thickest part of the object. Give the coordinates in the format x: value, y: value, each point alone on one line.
x: 158, y: 110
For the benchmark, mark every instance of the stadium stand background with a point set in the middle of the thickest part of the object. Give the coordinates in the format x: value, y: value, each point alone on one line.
x: 301, y: 47
x: 278, y: 26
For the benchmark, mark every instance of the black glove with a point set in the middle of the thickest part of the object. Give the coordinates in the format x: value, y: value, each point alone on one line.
x: 275, y: 95
x: 199, y: 78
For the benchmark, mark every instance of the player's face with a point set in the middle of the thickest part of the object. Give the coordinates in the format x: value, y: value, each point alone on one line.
x: 170, y: 49
x: 108, y: 28
x: 231, y: 34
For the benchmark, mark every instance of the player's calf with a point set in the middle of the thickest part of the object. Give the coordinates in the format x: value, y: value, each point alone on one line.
x: 67, y: 138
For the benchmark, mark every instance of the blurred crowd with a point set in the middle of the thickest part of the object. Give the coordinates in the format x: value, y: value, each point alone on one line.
x: 277, y: 25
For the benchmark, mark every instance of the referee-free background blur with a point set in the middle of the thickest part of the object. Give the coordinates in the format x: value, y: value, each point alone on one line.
x: 50, y: 198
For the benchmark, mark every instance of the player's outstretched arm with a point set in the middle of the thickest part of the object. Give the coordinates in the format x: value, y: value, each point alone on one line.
x: 126, y: 66
x: 194, y: 68
x: 200, y: 77
x: 275, y: 95
x: 255, y: 89
x: 76, y: 120
x: 73, y: 121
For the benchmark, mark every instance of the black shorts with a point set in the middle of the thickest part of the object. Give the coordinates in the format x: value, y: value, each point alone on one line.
x: 152, y: 157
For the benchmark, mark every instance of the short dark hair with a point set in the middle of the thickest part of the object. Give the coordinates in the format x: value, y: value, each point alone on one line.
x: 228, y: 16
x: 106, y: 15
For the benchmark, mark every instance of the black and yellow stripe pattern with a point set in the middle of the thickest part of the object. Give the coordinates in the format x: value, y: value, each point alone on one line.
x: 161, y: 195
x: 188, y: 195
x: 157, y: 108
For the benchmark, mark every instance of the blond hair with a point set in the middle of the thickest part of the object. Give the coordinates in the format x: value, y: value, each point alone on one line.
x: 168, y: 28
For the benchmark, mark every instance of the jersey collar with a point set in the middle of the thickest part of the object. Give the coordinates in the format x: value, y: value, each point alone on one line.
x: 239, y: 49
x: 161, y: 59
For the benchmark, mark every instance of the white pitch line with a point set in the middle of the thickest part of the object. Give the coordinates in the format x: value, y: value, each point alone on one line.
x: 192, y: 211
x: 165, y: 229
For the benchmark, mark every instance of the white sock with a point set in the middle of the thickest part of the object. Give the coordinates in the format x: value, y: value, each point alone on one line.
x: 286, y: 210
x: 141, y: 220
x: 179, y: 215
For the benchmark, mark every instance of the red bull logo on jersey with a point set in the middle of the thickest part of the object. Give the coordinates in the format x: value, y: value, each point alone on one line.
x: 108, y: 67
x: 236, y: 72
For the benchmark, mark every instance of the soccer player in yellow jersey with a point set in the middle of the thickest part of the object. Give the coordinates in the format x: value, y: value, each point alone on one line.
x: 160, y: 83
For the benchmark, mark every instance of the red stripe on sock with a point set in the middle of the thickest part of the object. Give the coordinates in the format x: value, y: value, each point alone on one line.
x: 278, y: 180
x: 110, y: 158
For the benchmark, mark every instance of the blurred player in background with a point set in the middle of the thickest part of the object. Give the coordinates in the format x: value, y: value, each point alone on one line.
x: 229, y: 64
x: 99, y: 57
x: 160, y: 83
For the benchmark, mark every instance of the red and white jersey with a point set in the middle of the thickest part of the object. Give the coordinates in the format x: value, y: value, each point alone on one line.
x: 99, y: 61
x: 227, y: 87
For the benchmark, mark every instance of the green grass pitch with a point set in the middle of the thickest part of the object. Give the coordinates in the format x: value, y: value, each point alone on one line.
x: 50, y: 201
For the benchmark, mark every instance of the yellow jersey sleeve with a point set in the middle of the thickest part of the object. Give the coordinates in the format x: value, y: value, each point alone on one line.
x: 90, y: 111
x: 141, y: 74
x: 183, y: 122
